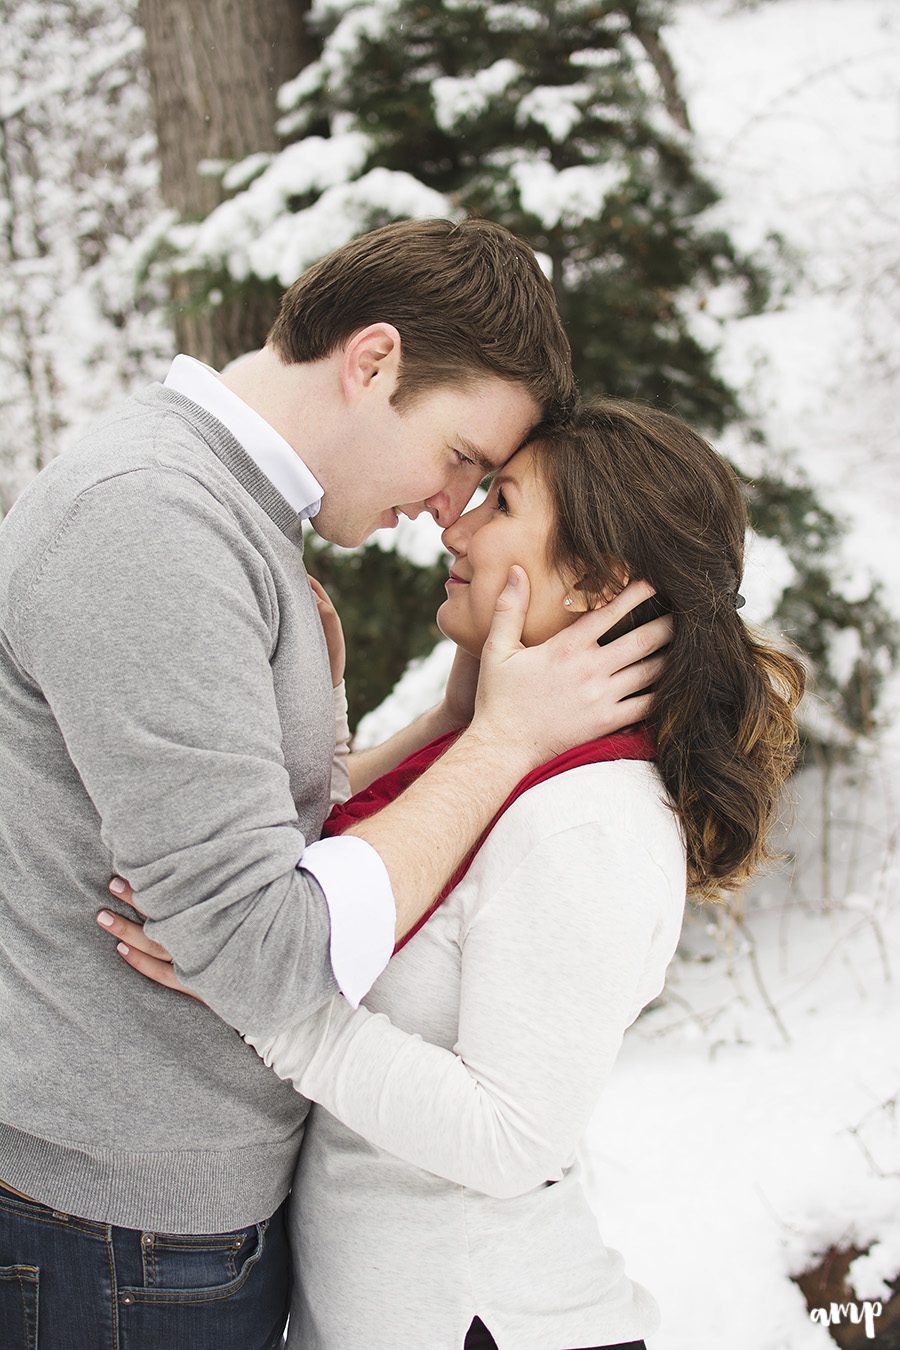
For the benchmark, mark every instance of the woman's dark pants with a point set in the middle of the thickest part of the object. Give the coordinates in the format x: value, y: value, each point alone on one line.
x: 479, y: 1338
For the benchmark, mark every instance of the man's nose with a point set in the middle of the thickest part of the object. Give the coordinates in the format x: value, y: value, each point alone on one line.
x: 440, y: 508
x: 448, y: 506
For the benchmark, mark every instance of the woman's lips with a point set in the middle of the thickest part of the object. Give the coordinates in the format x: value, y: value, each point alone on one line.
x: 454, y: 580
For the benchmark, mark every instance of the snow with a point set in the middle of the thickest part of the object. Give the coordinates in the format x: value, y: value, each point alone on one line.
x: 255, y: 232
x: 511, y: 17
x: 844, y: 650
x: 248, y: 231
x: 564, y: 195
x: 465, y: 98
x: 240, y: 174
x: 798, y: 120
x: 420, y: 687
x: 768, y: 571
x: 725, y: 1158
x: 80, y: 186
x: 595, y: 58
x: 557, y: 108
x: 295, y: 241
x: 419, y: 540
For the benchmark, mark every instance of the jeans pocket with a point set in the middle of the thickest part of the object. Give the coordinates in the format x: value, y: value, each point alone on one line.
x: 19, y: 1307
x: 196, y: 1268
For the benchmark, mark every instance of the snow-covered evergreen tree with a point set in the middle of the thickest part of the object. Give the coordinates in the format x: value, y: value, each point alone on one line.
x: 550, y: 116
x: 77, y: 186
x: 564, y: 120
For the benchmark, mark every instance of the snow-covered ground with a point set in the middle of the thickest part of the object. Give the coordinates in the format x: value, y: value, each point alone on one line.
x: 752, y: 1110
x: 752, y: 1120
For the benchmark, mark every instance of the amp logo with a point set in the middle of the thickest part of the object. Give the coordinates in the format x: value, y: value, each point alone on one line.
x: 835, y: 1313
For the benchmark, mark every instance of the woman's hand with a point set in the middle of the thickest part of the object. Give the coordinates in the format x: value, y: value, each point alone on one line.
x: 147, y: 957
x: 459, y: 696
x: 334, y: 633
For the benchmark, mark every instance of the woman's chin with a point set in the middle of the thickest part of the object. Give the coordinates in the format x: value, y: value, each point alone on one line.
x: 456, y: 632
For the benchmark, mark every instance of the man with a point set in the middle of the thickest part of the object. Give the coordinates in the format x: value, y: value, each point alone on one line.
x: 166, y: 714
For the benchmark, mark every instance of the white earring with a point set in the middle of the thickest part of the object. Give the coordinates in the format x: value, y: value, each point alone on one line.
x: 568, y: 600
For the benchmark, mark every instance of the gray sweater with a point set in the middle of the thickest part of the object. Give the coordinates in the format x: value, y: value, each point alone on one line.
x: 165, y: 713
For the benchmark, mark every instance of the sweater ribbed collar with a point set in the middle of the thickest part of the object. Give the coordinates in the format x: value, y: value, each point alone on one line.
x: 232, y: 454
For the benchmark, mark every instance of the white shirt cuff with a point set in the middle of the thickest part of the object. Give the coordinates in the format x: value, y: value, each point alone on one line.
x: 363, y: 911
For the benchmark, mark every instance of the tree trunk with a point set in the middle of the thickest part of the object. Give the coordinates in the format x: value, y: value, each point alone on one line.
x: 215, y: 69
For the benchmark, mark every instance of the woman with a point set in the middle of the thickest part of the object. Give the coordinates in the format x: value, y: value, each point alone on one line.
x: 438, y: 1200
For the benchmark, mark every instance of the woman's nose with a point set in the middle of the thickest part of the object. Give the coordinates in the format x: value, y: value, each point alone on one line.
x: 450, y: 538
x: 455, y: 537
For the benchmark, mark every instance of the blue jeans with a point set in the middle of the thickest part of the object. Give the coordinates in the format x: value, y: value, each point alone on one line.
x: 73, y: 1284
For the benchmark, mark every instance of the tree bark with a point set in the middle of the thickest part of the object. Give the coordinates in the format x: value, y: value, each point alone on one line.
x: 215, y: 69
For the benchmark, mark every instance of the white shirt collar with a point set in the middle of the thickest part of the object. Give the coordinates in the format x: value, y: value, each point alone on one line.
x: 270, y: 452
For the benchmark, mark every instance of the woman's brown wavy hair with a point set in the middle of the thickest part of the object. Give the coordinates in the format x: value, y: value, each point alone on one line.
x: 636, y: 491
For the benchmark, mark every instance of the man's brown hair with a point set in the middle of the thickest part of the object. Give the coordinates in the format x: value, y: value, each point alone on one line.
x: 468, y: 299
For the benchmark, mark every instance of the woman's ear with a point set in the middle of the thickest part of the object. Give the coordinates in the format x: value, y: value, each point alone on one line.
x: 576, y: 600
x: 584, y: 593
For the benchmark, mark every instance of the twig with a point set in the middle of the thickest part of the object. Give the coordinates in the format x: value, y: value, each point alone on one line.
x: 760, y: 983
x: 889, y: 1104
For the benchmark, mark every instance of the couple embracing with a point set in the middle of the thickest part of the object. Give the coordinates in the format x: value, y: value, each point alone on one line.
x: 440, y: 942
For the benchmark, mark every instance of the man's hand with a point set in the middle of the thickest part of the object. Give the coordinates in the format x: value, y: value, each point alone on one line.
x: 539, y: 701
x: 532, y: 703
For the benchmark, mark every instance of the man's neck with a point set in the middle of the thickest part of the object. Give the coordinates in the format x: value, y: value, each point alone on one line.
x: 277, y: 392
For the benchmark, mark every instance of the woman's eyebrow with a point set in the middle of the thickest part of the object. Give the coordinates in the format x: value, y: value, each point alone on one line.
x: 504, y: 480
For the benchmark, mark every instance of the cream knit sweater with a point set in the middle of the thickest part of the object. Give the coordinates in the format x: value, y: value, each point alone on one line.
x: 438, y: 1178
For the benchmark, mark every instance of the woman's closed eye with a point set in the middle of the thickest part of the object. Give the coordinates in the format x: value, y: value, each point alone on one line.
x: 501, y: 503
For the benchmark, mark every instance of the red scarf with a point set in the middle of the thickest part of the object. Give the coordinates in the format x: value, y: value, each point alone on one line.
x: 635, y: 743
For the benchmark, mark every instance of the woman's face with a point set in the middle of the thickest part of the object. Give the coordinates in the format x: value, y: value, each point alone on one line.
x: 511, y: 526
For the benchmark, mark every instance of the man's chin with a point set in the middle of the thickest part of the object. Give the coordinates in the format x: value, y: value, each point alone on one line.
x: 341, y: 534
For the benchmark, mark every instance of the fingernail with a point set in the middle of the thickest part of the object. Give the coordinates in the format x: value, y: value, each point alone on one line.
x: 121, y: 947
x: 513, y: 578
x: 117, y: 886
x: 105, y: 918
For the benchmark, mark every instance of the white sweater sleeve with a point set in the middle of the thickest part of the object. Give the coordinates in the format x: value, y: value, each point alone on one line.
x: 550, y: 970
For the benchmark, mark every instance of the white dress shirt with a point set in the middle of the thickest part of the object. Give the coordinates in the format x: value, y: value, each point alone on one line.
x: 353, y: 877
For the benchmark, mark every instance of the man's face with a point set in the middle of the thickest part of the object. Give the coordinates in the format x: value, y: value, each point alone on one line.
x: 430, y: 456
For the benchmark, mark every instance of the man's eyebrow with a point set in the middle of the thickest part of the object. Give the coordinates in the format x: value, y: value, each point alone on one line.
x: 478, y: 456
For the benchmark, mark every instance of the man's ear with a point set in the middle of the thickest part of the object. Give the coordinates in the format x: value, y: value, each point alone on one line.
x: 370, y: 360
